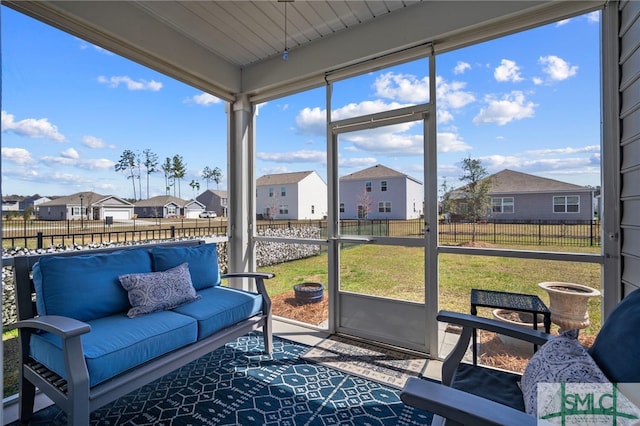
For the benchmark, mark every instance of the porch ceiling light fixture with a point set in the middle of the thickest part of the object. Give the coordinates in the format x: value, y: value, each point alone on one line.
x: 285, y: 53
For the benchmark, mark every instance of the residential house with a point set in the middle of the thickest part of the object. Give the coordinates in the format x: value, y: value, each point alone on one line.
x: 33, y: 201
x: 11, y: 203
x: 86, y: 205
x: 297, y: 195
x: 167, y: 206
x: 215, y: 201
x: 517, y: 196
x: 380, y: 193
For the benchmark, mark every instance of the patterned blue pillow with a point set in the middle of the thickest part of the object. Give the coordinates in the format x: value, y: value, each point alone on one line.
x: 561, y: 360
x: 158, y: 291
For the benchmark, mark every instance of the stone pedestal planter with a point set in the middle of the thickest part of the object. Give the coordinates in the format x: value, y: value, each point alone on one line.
x: 309, y: 292
x: 568, y: 303
x: 516, y: 318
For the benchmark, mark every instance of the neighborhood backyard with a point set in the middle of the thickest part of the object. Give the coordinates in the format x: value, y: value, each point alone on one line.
x: 395, y: 272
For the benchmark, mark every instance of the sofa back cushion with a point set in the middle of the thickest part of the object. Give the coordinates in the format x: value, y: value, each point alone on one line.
x: 616, y: 349
x: 86, y: 287
x: 202, y: 260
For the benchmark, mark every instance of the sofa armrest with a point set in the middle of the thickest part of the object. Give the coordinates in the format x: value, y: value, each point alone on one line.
x: 70, y: 332
x: 459, y: 406
x: 259, y: 278
x: 471, y: 322
x: 64, y: 327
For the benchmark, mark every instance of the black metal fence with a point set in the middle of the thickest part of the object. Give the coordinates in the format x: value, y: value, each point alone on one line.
x: 42, y: 233
x: 39, y: 234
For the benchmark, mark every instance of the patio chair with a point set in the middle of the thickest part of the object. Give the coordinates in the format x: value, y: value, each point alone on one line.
x: 480, y: 395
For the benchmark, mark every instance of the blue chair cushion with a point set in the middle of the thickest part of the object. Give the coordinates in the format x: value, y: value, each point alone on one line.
x: 202, y: 260
x: 496, y: 385
x: 220, y: 307
x: 86, y: 287
x: 616, y: 349
x: 118, y: 343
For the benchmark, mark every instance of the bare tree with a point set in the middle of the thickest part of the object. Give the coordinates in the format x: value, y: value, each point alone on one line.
x: 364, y: 205
x: 167, y: 168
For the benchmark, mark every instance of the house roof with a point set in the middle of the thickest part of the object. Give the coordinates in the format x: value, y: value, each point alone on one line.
x: 376, y: 172
x: 162, y: 200
x: 282, y: 178
x: 510, y: 182
x: 88, y: 198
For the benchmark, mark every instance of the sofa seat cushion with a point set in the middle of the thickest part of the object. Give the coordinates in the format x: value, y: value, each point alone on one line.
x: 220, y: 307
x: 496, y: 385
x: 118, y: 343
x: 202, y: 260
x: 86, y: 287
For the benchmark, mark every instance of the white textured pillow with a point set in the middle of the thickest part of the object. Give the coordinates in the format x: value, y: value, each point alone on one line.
x: 158, y: 291
x: 561, y: 360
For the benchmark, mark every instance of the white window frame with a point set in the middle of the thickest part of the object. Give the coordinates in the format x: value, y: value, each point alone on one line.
x: 271, y: 192
x: 283, y: 191
x: 367, y: 186
x: 383, y: 186
x: 504, y: 202
x: 384, y: 207
x: 284, y: 209
x: 565, y: 204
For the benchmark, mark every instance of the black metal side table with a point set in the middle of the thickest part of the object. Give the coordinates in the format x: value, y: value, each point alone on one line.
x: 513, y: 301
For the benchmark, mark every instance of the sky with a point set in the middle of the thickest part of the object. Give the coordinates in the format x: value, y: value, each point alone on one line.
x: 528, y: 102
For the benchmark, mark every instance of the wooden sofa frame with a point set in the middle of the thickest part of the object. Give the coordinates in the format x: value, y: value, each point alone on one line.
x: 74, y: 396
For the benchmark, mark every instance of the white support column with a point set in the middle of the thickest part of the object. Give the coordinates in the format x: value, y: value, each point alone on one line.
x: 241, y: 187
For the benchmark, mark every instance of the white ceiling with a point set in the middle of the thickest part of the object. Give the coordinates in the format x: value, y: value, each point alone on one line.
x: 235, y: 47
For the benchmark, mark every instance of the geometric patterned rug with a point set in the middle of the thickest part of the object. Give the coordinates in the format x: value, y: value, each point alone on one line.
x: 238, y: 385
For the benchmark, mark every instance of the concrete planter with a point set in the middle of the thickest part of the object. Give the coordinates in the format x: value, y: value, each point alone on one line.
x: 568, y: 303
x: 523, y: 320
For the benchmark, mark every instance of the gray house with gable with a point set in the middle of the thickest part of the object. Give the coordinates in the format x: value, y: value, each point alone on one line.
x: 517, y: 196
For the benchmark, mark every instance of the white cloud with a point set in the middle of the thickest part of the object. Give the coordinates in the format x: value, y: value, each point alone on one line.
x: 557, y: 69
x: 303, y: 156
x: 70, y: 153
x: 17, y: 155
x: 387, y: 143
x: 67, y: 159
x: 452, y: 95
x: 567, y: 150
x: 357, y: 163
x: 563, y: 22
x: 461, y: 67
x: 31, y: 127
x: 402, y: 87
x: 513, y: 106
x: 93, y: 142
x: 131, y: 84
x: 593, y: 17
x: 451, y: 142
x: 205, y: 99
x: 507, y: 71
x: 274, y: 170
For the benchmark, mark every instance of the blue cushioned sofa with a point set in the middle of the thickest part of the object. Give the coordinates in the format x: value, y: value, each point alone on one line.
x: 79, y: 343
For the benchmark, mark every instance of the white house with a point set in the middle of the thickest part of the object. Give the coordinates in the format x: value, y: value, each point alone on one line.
x: 380, y: 193
x: 297, y: 195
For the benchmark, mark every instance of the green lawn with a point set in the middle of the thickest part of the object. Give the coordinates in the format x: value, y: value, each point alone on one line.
x: 397, y: 272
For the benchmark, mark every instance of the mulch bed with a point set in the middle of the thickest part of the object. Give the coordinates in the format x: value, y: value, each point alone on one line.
x: 287, y: 306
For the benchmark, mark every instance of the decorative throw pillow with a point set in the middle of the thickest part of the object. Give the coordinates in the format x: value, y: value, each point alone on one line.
x: 561, y: 360
x: 158, y: 291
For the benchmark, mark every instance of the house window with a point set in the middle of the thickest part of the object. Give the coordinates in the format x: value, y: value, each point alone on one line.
x: 223, y: 202
x: 171, y: 211
x: 502, y: 205
x: 362, y: 212
x: 75, y: 211
x: 270, y: 192
x: 283, y: 191
x: 384, y: 207
x: 284, y: 209
x: 367, y: 186
x: 341, y: 207
x: 383, y: 186
x: 566, y: 204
